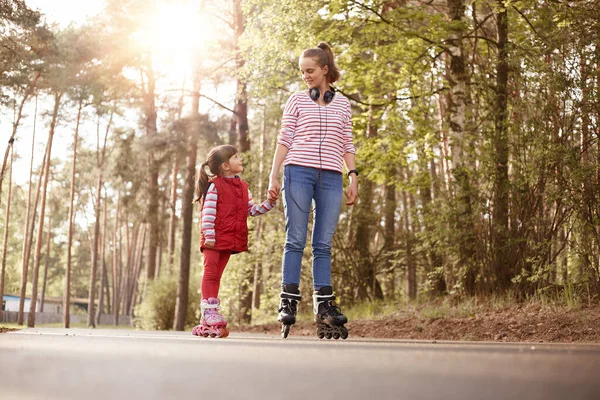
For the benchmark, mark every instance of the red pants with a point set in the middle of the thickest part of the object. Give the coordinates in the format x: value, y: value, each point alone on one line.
x: 215, y: 262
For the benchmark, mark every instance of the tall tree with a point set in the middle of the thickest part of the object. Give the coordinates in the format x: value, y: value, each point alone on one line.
x: 6, y: 230
x: 181, y: 302
x: 39, y: 240
x: 100, y: 162
x: 502, y: 265
x: 67, y: 286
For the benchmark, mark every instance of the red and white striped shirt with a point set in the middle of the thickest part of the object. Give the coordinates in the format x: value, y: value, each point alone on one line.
x: 316, y: 136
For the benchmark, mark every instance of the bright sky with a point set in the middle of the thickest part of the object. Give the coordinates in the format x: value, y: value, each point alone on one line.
x: 64, y: 12
x: 169, y: 45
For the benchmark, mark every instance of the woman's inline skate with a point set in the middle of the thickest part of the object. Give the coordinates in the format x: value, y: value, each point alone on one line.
x: 212, y: 323
x: 329, y: 318
x: 288, y: 307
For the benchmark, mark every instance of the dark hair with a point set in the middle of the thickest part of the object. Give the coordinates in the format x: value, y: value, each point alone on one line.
x: 216, y: 157
x: 323, y: 55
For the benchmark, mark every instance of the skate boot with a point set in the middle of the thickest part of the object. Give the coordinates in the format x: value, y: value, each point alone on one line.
x: 329, y: 318
x: 212, y: 323
x: 288, y: 307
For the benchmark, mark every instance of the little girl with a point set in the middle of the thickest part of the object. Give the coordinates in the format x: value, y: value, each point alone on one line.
x: 226, y: 205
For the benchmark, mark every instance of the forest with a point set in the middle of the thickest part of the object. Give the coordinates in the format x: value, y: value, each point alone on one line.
x: 476, y: 124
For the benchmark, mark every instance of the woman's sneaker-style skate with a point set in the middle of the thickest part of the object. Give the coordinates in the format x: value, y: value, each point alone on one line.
x: 329, y: 318
x: 288, y: 307
x: 212, y: 323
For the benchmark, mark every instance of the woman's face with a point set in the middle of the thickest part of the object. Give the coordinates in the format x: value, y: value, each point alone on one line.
x: 312, y: 73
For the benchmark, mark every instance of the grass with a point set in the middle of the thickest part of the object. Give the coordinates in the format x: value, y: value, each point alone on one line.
x: 452, y: 306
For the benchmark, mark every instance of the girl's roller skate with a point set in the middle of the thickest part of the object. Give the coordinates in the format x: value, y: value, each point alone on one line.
x: 288, y: 307
x: 330, y: 321
x: 212, y: 323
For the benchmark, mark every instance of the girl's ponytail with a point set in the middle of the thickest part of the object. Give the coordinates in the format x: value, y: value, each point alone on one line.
x: 201, y: 183
x: 216, y: 157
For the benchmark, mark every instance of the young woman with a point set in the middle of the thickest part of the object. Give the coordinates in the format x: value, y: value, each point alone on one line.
x: 314, y: 142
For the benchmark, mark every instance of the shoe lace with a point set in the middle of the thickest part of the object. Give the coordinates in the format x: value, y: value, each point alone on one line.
x: 290, y: 306
x: 331, y: 309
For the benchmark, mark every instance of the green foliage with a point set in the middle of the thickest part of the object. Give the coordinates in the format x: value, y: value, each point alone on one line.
x: 157, y: 310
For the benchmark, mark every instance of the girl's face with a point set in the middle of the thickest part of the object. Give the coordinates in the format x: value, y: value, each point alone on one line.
x: 312, y: 73
x: 233, y: 166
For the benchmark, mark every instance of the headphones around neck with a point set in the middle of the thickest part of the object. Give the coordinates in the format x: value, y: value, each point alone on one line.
x: 315, y: 93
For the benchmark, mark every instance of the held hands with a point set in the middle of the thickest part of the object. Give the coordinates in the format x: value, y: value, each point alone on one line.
x: 274, y: 190
x: 352, y: 191
x: 273, y: 196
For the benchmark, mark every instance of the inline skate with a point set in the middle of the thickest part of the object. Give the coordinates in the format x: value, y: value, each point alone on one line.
x: 329, y: 318
x: 288, y: 307
x: 212, y: 323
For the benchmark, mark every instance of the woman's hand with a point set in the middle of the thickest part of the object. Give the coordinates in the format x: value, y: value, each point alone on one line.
x: 352, y: 191
x: 209, y: 245
x: 272, y: 196
x: 274, y: 187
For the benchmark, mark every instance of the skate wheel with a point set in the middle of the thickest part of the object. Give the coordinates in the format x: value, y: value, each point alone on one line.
x: 328, y: 335
x: 205, y: 334
x: 344, y: 332
x: 336, y: 335
x: 320, y: 332
x: 223, y: 333
x: 285, y: 331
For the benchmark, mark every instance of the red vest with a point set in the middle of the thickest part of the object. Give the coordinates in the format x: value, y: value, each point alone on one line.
x: 231, y: 228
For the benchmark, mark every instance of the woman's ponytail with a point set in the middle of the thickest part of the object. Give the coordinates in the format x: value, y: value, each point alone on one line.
x: 333, y: 74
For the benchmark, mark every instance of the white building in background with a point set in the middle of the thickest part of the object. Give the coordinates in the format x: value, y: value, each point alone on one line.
x: 11, y: 303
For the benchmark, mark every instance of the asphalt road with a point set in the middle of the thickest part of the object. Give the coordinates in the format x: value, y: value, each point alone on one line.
x: 121, y: 364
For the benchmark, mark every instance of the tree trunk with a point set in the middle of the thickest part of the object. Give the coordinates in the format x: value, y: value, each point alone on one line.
x: 366, y: 221
x: 6, y: 228
x: 100, y: 158
x: 103, y: 276
x: 116, y: 273
x: 502, y: 264
x: 389, y: 218
x: 411, y: 268
x: 11, y: 140
x: 47, y: 263
x: 173, y: 216
x: 29, y: 222
x: 456, y: 113
x: 39, y: 240
x: 241, y: 101
x: 67, y: 287
x: 153, y: 194
x: 138, y: 268
x: 130, y: 269
x: 187, y: 209
x: 257, y: 283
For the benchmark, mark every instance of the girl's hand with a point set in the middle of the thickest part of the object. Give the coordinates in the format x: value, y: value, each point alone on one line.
x: 352, y: 191
x: 209, y: 245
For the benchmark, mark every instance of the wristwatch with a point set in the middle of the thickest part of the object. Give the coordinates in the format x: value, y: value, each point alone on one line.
x: 353, y: 171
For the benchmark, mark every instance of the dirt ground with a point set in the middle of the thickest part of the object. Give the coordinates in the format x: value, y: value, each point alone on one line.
x: 528, y: 323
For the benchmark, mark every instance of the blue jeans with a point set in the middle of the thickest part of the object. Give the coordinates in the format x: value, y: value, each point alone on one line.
x: 302, y: 185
